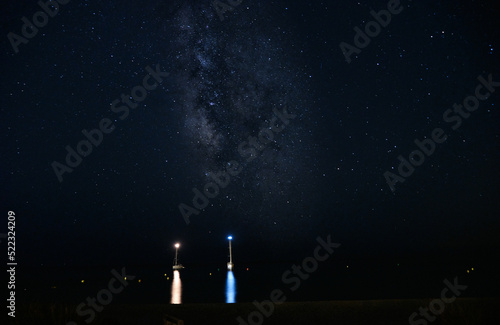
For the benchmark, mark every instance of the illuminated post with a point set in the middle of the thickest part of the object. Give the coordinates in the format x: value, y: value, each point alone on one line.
x: 176, y: 249
x: 230, y: 264
x: 177, y: 266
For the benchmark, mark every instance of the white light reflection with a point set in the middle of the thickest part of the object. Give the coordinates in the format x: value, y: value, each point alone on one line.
x: 176, y: 292
x: 230, y: 288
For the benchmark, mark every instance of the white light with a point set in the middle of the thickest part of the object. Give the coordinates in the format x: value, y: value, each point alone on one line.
x: 230, y: 237
x: 177, y: 245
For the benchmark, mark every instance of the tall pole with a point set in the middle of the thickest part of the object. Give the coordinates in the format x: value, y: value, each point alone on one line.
x: 176, y: 249
x: 230, y: 264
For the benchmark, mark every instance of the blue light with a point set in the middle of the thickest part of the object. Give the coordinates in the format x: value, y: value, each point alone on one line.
x: 230, y: 237
x: 230, y: 288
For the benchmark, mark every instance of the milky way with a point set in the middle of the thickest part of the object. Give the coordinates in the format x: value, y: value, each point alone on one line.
x: 231, y: 75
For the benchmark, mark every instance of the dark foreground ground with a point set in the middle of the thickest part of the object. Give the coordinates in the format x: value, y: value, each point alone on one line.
x: 462, y: 311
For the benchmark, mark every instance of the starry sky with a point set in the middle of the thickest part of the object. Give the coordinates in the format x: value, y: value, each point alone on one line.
x: 223, y: 82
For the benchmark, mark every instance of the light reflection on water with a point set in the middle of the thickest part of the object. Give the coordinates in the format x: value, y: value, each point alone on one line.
x: 230, y: 288
x: 176, y: 292
x: 176, y: 288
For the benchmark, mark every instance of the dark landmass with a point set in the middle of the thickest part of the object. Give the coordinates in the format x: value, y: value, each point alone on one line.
x: 386, y: 312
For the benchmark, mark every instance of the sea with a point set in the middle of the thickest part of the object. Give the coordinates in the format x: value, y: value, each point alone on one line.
x: 213, y: 283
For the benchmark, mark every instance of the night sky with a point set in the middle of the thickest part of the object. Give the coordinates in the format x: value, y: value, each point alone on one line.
x: 222, y: 81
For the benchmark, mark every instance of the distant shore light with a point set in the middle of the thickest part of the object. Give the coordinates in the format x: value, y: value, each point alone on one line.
x: 230, y: 237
